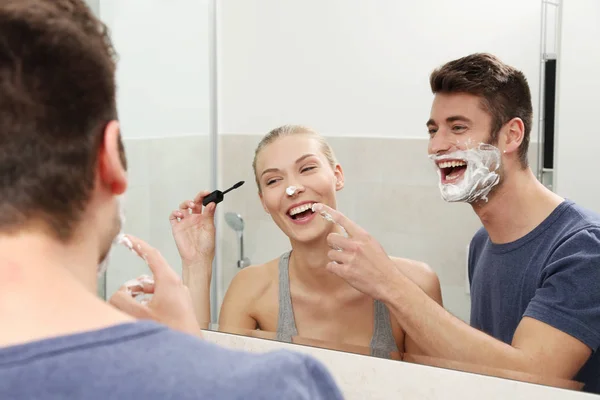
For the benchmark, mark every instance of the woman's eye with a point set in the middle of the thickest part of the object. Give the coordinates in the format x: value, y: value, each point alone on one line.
x: 271, y: 181
x: 305, y: 169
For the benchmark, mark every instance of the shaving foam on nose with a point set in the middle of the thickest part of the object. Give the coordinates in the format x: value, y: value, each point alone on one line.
x: 290, y: 190
x: 480, y: 176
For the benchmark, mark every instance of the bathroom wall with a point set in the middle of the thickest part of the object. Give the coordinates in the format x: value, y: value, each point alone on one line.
x: 163, y: 99
x: 577, y: 139
x: 390, y: 190
x: 356, y: 68
x: 358, y: 73
x: 94, y: 6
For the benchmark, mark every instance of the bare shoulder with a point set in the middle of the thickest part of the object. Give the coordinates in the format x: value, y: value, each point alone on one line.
x: 421, y: 274
x: 255, y: 280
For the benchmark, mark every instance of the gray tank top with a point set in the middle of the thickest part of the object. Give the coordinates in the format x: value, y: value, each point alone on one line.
x: 382, y: 342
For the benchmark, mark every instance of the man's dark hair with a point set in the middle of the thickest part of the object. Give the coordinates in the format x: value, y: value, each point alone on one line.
x: 503, y: 90
x: 57, y: 94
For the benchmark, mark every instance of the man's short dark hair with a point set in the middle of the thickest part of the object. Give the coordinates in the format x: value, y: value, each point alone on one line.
x: 57, y: 94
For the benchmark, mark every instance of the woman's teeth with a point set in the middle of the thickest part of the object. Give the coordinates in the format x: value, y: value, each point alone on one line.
x: 300, y: 209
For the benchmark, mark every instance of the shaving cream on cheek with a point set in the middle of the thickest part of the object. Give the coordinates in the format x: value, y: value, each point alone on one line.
x: 118, y: 240
x: 480, y: 176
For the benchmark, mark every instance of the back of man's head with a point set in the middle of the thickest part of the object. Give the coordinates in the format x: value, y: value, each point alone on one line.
x: 57, y: 94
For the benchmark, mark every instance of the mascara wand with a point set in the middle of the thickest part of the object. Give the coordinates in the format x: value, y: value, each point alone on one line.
x: 217, y: 196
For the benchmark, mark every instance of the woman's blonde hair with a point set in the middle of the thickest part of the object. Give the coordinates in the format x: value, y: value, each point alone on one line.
x: 288, y: 130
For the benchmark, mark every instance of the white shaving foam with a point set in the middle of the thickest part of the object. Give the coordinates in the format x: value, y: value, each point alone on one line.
x: 479, y: 178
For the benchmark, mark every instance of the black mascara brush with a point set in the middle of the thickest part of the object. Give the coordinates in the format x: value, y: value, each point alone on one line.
x: 217, y: 196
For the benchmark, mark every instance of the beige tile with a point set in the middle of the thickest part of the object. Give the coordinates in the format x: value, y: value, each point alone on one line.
x: 406, y: 162
x: 446, y: 257
x: 180, y: 158
x: 457, y: 301
x: 138, y: 162
x: 360, y: 158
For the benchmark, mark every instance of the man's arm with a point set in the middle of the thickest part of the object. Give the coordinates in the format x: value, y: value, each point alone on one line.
x: 556, y: 336
x: 546, y: 342
x: 536, y: 348
x: 427, y: 280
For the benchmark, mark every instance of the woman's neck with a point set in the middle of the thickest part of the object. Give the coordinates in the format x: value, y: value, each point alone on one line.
x: 307, y: 265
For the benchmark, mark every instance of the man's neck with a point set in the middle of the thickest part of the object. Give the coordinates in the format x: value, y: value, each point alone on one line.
x: 516, y: 208
x: 48, y: 289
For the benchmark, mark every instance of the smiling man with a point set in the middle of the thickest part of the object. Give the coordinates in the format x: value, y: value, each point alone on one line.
x: 534, y: 266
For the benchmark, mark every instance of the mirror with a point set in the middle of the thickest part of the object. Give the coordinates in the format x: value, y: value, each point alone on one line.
x: 165, y: 118
x: 356, y: 72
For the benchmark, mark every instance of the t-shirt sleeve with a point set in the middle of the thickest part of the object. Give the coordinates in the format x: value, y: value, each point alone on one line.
x: 568, y: 297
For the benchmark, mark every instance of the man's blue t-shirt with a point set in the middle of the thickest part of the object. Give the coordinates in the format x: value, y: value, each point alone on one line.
x: 145, y: 360
x: 552, y: 274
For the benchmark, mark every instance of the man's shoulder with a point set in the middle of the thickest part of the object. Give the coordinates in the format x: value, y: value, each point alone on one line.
x: 153, y: 362
x: 576, y: 218
x: 577, y: 228
x: 201, y: 366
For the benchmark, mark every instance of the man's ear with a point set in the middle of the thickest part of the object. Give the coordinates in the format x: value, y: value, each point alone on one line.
x: 111, y: 160
x: 512, y: 135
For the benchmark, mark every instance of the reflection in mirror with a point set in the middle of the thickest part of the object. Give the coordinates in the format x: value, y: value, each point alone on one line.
x: 360, y: 77
x: 164, y: 117
x: 411, y: 358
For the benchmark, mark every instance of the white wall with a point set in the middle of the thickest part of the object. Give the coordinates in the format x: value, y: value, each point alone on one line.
x: 578, y: 137
x: 94, y: 6
x: 355, y: 67
x: 163, y: 70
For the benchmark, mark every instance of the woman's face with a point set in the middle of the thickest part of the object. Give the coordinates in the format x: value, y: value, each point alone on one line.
x: 297, y: 160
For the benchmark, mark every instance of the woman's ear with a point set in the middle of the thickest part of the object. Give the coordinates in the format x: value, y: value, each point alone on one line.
x: 339, y: 177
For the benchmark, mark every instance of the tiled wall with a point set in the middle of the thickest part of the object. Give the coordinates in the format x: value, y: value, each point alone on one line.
x: 390, y: 190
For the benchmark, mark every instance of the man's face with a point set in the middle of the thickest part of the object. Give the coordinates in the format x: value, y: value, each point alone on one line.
x: 458, y: 124
x: 112, y: 163
x: 116, y: 227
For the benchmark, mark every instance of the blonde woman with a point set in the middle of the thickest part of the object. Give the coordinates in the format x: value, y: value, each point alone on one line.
x: 294, y: 295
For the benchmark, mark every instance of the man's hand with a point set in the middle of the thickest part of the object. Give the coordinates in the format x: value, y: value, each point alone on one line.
x: 359, y: 259
x: 194, y: 231
x: 171, y: 303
